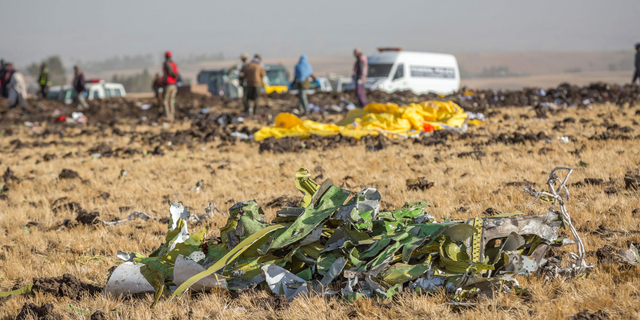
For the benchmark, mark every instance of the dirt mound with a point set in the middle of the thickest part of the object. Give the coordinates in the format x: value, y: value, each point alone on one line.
x: 588, y: 315
x: 65, y: 286
x: 419, y: 184
x: 68, y: 174
x: 32, y: 311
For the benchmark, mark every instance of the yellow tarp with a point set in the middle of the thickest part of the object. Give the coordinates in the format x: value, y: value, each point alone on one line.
x: 374, y: 119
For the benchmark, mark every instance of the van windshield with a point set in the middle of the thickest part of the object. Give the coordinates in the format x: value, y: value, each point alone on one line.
x: 277, y: 77
x: 381, y: 70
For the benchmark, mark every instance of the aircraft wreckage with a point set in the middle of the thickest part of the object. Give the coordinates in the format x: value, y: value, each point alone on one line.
x: 336, y: 245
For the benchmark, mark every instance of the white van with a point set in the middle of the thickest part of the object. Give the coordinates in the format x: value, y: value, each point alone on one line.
x: 94, y: 89
x: 98, y: 89
x: 395, y: 70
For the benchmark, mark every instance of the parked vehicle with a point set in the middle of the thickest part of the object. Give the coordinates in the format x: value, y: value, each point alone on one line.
x: 392, y: 69
x: 223, y: 82
x: 95, y: 89
x: 321, y: 84
x: 338, y: 82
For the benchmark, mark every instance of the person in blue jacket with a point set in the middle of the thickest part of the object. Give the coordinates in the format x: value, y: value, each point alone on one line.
x: 301, y: 81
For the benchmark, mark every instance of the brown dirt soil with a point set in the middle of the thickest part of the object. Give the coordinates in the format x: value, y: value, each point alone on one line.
x: 65, y: 286
x: 477, y: 173
x: 32, y: 311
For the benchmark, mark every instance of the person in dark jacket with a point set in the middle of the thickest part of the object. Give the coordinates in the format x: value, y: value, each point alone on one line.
x: 44, y: 81
x: 5, y: 76
x: 157, y: 88
x: 78, y: 85
x: 360, y: 76
x: 301, y: 81
x: 170, y: 76
x: 636, y: 75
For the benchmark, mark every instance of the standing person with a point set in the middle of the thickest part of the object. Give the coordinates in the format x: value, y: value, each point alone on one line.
x: 44, y: 81
x: 78, y: 84
x: 5, y: 75
x: 170, y: 76
x: 636, y: 75
x: 157, y: 87
x: 16, y: 88
x: 254, y: 72
x: 241, y: 83
x: 360, y: 76
x: 303, y: 73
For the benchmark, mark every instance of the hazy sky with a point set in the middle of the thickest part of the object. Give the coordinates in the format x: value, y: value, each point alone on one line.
x: 92, y: 30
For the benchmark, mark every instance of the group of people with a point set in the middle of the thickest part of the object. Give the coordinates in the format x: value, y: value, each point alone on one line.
x: 251, y: 75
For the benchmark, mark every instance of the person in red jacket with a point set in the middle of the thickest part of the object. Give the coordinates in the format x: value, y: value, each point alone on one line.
x: 170, y: 76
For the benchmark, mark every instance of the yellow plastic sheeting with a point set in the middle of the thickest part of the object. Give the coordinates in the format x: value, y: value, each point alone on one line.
x: 374, y: 119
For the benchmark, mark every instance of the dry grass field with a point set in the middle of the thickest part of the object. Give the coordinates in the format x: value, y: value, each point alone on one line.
x: 30, y: 246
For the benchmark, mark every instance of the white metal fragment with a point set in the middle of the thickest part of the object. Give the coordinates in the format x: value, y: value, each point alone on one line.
x: 132, y: 216
x: 185, y: 268
x: 281, y: 281
x: 127, y: 279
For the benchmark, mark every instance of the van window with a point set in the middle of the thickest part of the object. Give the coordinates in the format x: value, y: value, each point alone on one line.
x: 432, y: 72
x: 107, y: 93
x: 117, y: 92
x: 399, y: 72
x: 96, y: 95
x: 381, y: 70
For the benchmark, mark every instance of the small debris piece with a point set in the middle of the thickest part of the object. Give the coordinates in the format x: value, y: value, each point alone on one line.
x: 419, y: 184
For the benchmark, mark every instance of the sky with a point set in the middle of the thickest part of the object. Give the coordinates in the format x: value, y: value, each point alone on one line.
x: 31, y: 30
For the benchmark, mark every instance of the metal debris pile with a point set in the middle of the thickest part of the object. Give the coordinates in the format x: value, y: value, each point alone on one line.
x: 334, y: 244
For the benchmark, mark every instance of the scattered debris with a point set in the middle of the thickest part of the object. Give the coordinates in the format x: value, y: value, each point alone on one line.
x: 329, y: 243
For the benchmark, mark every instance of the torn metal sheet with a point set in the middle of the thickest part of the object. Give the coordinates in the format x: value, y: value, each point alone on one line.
x: 281, y: 281
x: 184, y: 269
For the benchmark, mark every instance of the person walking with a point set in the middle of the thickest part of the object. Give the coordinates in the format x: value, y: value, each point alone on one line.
x: 253, y: 75
x: 170, y: 76
x: 303, y: 74
x: 636, y: 75
x: 16, y: 88
x: 360, y: 76
x: 79, y: 85
x: 44, y: 81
